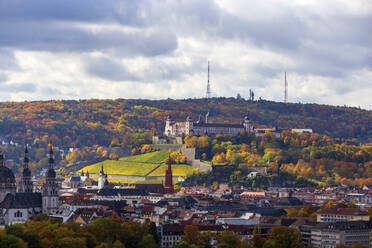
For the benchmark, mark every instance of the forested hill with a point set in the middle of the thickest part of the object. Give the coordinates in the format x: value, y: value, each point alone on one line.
x: 89, y: 122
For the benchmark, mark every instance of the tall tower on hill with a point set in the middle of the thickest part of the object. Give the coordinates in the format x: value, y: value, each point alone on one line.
x: 285, y: 88
x: 208, y: 93
x: 168, y: 187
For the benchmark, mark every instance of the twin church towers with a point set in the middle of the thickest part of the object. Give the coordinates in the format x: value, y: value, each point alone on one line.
x: 20, y: 202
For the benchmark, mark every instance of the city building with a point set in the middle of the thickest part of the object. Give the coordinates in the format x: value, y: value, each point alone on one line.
x: 329, y: 235
x: 205, y: 127
x: 341, y: 214
x: 19, y: 206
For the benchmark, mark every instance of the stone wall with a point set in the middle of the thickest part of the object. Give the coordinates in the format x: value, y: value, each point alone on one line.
x: 195, y: 163
x: 166, y: 147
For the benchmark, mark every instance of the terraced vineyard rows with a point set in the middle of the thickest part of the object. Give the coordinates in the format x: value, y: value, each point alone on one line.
x: 150, y: 164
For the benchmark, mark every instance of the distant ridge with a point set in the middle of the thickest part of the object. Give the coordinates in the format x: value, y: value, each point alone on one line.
x: 74, y: 123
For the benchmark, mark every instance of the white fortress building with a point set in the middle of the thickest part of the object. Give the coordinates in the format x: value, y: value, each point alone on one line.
x: 204, y: 127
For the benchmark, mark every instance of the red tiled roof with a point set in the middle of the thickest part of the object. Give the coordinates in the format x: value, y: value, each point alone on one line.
x: 148, y: 208
x: 343, y: 211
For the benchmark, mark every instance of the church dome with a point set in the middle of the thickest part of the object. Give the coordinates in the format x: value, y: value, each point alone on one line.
x: 6, y: 175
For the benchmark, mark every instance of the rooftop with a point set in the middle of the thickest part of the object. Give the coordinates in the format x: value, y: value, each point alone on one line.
x: 343, y: 211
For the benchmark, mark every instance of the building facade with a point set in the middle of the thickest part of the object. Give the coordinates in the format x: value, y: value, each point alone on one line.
x: 18, y: 206
x: 204, y: 127
x: 341, y: 214
x: 329, y: 235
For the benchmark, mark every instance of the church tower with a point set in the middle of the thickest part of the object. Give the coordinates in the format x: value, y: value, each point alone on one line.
x: 26, y: 185
x: 169, y: 126
x: 50, y: 188
x: 102, y: 179
x: 168, y: 187
x: 248, y: 127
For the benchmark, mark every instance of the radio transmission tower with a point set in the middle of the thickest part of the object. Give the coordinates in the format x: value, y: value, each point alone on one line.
x: 208, y: 93
x: 285, y: 88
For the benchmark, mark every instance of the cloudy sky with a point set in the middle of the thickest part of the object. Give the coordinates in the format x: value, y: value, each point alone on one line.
x: 69, y: 49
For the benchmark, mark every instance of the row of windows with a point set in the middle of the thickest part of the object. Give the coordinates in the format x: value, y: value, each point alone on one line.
x: 334, y: 216
x: 18, y: 214
x: 172, y: 238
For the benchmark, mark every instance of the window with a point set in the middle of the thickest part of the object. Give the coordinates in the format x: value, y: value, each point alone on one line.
x: 18, y: 214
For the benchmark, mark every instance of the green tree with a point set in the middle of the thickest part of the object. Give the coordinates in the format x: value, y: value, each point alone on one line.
x: 148, y: 242
x: 104, y: 229
x: 184, y: 244
x: 191, y: 235
x: 131, y: 233
x: 154, y: 232
x: 228, y: 239
x: 102, y: 245
x: 270, y: 244
x: 205, y: 239
x: 258, y: 241
x: 16, y: 230
x: 285, y: 237
x: 117, y: 244
x: 70, y: 242
x: 11, y: 241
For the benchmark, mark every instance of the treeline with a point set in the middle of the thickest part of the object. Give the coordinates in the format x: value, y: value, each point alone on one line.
x: 303, y: 155
x: 98, y: 122
x: 277, y: 237
x: 44, y: 232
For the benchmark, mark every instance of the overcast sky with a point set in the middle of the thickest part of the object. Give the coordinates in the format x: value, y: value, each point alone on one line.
x: 77, y: 49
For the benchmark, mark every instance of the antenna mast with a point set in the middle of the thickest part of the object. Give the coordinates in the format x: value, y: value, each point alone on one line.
x: 208, y: 94
x: 285, y: 88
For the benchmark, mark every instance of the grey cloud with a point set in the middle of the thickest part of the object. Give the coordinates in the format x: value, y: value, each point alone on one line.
x: 109, y: 69
x: 7, y: 60
x: 57, y: 37
x: 3, y: 78
x: 48, y: 91
x: 342, y: 43
x: 316, y: 44
x: 18, y: 87
x: 288, y: 32
x: 125, y: 11
x: 155, y: 72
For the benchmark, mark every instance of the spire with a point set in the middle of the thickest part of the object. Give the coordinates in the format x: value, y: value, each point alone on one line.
x: 168, y: 187
x: 26, y: 160
x: 51, y: 157
x: 102, y: 172
x: 169, y: 162
x: 26, y: 183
